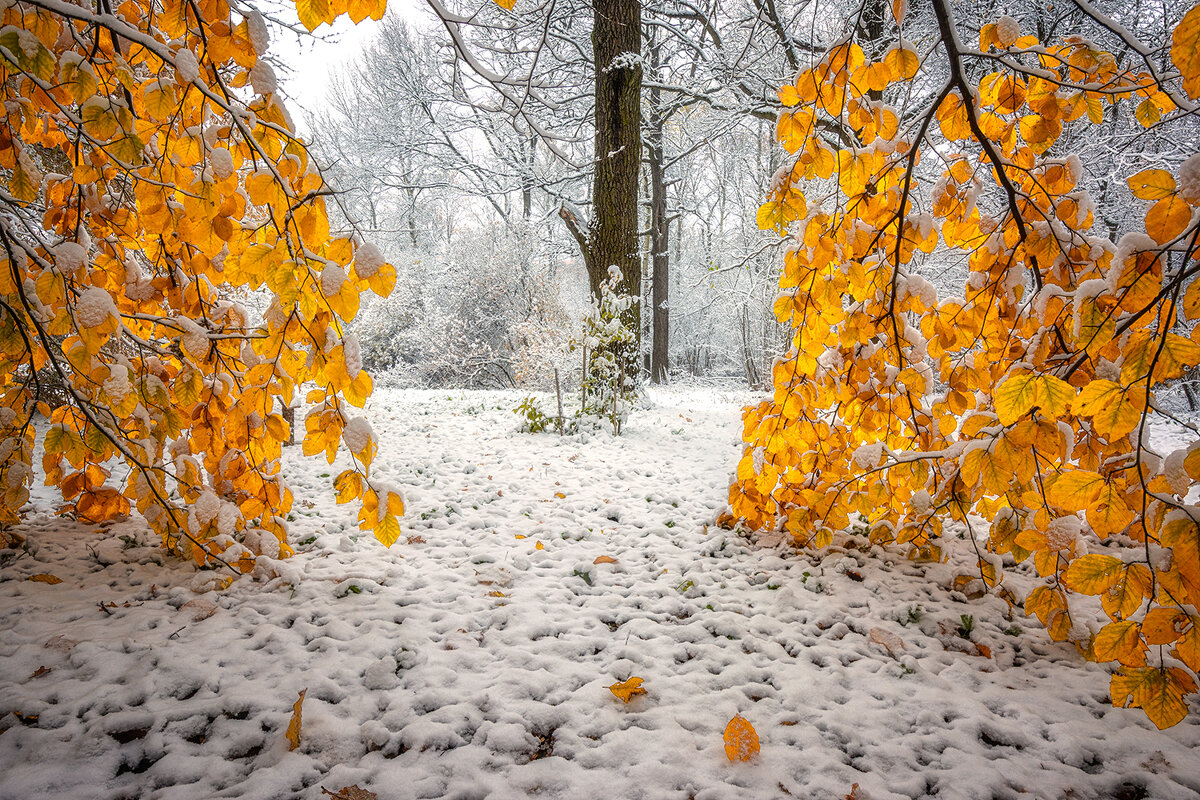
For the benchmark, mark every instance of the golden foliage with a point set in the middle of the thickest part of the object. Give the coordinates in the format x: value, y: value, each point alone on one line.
x: 1020, y: 403
x: 151, y: 180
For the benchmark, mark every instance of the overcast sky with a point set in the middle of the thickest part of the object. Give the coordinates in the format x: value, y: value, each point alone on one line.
x: 314, y: 62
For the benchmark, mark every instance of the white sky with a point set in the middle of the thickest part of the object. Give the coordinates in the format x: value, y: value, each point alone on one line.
x: 314, y: 62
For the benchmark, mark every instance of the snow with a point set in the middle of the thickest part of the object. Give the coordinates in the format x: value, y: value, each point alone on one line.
x: 471, y: 664
x: 1189, y: 179
x: 262, y: 78
x: 69, y: 257
x: 358, y: 434
x: 332, y: 278
x: 1007, y: 30
x: 94, y: 307
x: 187, y: 68
x: 256, y: 26
x: 367, y: 260
x: 222, y: 162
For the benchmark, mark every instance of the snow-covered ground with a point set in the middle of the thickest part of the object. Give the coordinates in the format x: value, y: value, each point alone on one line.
x: 474, y: 661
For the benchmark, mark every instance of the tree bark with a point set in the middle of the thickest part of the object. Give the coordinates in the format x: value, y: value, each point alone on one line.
x: 612, y: 239
x: 660, y: 267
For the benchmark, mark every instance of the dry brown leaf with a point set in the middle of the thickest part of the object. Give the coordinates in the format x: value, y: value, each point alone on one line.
x: 887, y: 640
x: 741, y: 740
x: 45, y: 577
x: 626, y: 690
x: 983, y: 650
x: 200, y: 608
x: 350, y: 793
x: 604, y: 560
x: 293, y: 728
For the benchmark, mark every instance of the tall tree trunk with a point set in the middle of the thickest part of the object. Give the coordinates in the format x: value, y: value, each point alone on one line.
x: 617, y: 47
x: 611, y: 236
x: 660, y: 267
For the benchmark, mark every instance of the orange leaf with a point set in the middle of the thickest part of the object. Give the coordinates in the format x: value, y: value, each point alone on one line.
x: 293, y: 728
x: 1185, y: 51
x: 741, y: 740
x: 1093, y: 573
x: 1167, y: 218
x: 45, y: 578
x: 604, y: 560
x: 1151, y: 184
x: 1158, y: 692
x: 627, y: 690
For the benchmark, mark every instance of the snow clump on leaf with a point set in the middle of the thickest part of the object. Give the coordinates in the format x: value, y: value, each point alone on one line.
x: 94, y: 307
x: 187, y: 68
x: 358, y: 434
x: 1189, y: 180
x: 368, y: 260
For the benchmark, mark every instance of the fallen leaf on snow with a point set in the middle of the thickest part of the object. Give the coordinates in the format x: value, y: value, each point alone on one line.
x: 741, y: 740
x: 293, y: 728
x: 350, y: 793
x: 539, y: 546
x: 560, y: 495
x: 45, y: 577
x: 39, y: 672
x: 60, y: 643
x: 200, y: 608
x: 604, y: 560
x: 887, y: 640
x: 627, y: 689
x: 983, y: 650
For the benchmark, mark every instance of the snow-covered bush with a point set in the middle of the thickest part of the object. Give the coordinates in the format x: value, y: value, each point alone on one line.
x: 608, y: 343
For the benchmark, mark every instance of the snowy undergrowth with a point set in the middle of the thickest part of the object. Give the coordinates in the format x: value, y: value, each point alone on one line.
x: 473, y: 664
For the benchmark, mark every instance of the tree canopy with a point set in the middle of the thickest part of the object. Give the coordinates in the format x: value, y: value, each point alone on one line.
x: 980, y: 333
x: 168, y: 275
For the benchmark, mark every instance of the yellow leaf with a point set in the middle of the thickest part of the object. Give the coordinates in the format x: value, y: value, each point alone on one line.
x: 312, y: 12
x: 45, y: 578
x: 1113, y: 412
x: 1120, y: 641
x: 741, y: 740
x: 1164, y: 625
x: 388, y: 530
x: 626, y: 690
x: 293, y: 728
x: 1167, y: 218
x: 1108, y: 513
x: 507, y: 5
x: 539, y: 546
x: 1024, y: 391
x: 1185, y: 51
x: 1158, y: 692
x: 903, y: 62
x: 1151, y: 184
x: 1147, y: 113
x: 1093, y: 573
x: 1074, y: 488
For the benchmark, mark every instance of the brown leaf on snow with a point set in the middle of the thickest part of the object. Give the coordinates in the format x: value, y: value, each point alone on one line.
x: 39, y: 672
x: 604, y: 560
x: 293, y: 728
x: 887, y: 640
x: 200, y: 608
x: 45, y: 577
x: 60, y: 643
x: 350, y: 793
x: 983, y: 650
